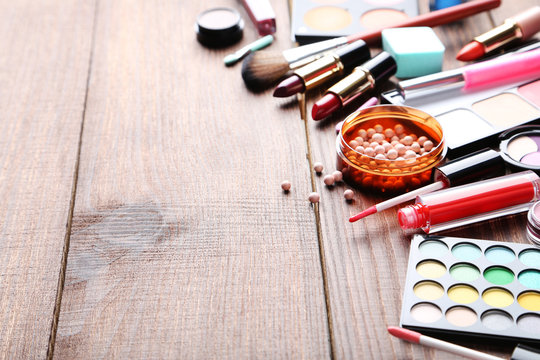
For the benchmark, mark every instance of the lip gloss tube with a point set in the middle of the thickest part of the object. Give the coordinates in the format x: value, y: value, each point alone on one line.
x: 262, y: 15
x: 467, y: 204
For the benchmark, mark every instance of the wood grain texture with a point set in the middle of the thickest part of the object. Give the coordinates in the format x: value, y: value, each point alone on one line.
x: 43, y: 71
x: 366, y: 261
x: 183, y: 244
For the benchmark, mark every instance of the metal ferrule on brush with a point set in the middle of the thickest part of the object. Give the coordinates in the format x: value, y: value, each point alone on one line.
x: 319, y: 71
x: 355, y: 84
x: 296, y: 54
x: 422, y: 85
x: 500, y: 36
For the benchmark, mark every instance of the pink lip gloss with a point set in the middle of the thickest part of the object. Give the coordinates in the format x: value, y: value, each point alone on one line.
x: 466, y: 204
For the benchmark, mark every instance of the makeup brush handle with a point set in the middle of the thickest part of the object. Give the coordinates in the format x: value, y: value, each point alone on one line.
x: 434, y: 18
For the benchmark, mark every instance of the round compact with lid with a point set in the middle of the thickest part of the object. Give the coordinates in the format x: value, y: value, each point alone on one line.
x: 219, y: 27
x: 388, y: 148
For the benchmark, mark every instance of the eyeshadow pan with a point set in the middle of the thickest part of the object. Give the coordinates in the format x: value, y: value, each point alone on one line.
x: 497, y: 297
x: 531, y: 92
x: 530, y: 257
x: 428, y: 290
x: 461, y: 316
x: 500, y: 254
x: 466, y: 251
x: 530, y: 300
x: 464, y: 272
x: 463, y: 294
x: 520, y: 147
x: 531, y: 159
x: 431, y: 269
x: 455, y: 121
x: 497, y: 320
x: 499, y: 275
x: 426, y: 313
x: 327, y: 18
x: 382, y: 18
x: 530, y: 278
x: 433, y: 248
x: 505, y: 110
x: 529, y: 323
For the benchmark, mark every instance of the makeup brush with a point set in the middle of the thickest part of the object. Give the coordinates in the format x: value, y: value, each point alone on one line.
x: 418, y: 338
x: 263, y: 68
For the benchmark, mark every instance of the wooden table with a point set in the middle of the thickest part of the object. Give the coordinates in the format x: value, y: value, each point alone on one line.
x: 141, y: 212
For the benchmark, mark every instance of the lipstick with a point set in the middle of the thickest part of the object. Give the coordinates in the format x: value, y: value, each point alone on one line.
x: 362, y: 79
x: 486, y: 74
x: 517, y: 28
x: 466, y: 204
x: 482, y: 164
x: 324, y: 69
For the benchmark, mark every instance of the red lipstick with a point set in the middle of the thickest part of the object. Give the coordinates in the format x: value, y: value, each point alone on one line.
x: 466, y: 204
x: 362, y: 79
x: 324, y: 69
x: 520, y: 27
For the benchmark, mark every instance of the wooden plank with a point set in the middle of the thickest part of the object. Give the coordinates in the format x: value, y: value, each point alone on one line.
x: 43, y: 72
x: 183, y: 244
x: 366, y: 262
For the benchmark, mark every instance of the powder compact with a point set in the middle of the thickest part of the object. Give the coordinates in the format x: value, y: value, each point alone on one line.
x: 316, y: 20
x: 520, y: 147
x: 219, y: 27
x: 469, y: 288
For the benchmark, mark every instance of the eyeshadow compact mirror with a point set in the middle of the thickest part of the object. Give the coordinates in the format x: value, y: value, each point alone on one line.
x: 520, y: 147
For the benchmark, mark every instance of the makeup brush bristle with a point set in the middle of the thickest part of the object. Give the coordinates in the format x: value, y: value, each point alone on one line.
x: 262, y: 69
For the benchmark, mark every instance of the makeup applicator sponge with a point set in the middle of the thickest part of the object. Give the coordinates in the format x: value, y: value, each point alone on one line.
x: 417, y: 50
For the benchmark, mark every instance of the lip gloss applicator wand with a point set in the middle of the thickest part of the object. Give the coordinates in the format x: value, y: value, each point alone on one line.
x: 479, y: 165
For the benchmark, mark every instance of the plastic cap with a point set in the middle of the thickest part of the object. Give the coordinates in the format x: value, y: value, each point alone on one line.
x: 479, y: 165
x: 353, y: 54
x: 408, y: 218
x: 381, y: 66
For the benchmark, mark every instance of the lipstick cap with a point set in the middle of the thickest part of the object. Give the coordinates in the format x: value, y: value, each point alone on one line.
x: 353, y: 54
x: 479, y: 165
x: 381, y: 66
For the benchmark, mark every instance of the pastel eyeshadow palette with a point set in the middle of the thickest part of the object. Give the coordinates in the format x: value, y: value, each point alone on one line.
x: 316, y: 20
x: 458, y: 287
x: 472, y: 121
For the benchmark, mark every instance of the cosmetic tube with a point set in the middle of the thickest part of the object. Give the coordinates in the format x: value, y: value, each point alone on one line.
x: 482, y: 75
x: 467, y: 204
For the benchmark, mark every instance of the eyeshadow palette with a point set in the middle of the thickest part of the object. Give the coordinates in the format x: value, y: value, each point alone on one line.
x: 316, y: 20
x: 473, y: 288
x: 472, y: 121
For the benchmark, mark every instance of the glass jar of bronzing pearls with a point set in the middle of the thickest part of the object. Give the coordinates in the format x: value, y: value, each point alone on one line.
x: 388, y: 148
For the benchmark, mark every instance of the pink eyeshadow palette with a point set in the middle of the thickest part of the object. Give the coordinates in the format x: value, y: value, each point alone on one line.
x: 458, y: 287
x: 472, y: 121
x: 316, y: 20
